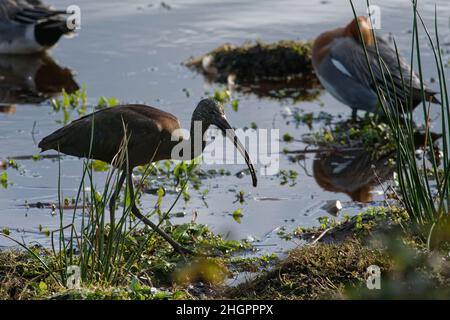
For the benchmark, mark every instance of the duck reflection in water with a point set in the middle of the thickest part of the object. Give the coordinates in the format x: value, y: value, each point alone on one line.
x: 354, y: 173
x: 32, y: 79
x: 357, y: 172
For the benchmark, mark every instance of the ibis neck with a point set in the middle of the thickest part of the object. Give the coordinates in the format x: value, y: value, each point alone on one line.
x: 198, y: 144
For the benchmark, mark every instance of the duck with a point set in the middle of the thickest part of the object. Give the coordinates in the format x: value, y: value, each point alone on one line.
x: 340, y: 64
x: 29, y: 26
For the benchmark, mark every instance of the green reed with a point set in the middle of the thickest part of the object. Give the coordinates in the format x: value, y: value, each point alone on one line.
x: 101, y: 248
x: 427, y: 204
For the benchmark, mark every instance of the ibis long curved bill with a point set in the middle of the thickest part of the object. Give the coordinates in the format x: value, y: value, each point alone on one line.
x: 226, y: 129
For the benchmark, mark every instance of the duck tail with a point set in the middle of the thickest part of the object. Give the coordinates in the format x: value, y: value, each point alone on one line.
x: 431, y: 97
x: 435, y: 100
x: 48, y: 32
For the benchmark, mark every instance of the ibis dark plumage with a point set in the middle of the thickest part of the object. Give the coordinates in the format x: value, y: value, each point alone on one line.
x: 149, y: 133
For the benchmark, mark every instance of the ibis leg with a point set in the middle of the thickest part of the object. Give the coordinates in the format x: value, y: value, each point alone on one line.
x: 177, y: 247
x: 112, y: 201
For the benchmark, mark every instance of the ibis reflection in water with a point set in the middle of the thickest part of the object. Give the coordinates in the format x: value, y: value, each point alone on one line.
x: 149, y: 134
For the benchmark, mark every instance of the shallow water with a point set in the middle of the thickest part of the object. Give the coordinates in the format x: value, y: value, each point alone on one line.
x: 133, y: 51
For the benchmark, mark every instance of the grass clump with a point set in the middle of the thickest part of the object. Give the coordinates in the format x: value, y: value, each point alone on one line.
x: 359, y: 226
x: 313, y: 272
x: 334, y: 262
x: 157, y: 273
x: 22, y: 276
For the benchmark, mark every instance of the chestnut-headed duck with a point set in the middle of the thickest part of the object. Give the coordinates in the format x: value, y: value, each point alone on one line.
x: 340, y: 64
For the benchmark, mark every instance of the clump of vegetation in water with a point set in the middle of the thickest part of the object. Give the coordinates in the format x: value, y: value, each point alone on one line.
x: 340, y: 271
x: 157, y: 273
x: 257, y: 61
x: 4, y: 180
x: 279, y: 70
x: 334, y: 263
x: 312, y: 272
x: 359, y: 226
x: 299, y: 117
x: 368, y: 134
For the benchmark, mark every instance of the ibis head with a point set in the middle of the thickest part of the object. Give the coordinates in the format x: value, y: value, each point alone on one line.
x: 211, y: 112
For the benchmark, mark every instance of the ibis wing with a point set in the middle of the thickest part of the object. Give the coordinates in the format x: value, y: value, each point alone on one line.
x: 106, y: 130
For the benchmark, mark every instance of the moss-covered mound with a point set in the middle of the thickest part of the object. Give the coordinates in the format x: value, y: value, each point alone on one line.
x: 279, y: 70
x: 313, y: 272
x: 335, y: 264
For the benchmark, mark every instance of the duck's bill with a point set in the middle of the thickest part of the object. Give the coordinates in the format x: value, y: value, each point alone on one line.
x: 225, y: 127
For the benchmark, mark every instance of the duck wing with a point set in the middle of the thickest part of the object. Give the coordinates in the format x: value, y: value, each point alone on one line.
x: 349, y: 57
x: 26, y: 11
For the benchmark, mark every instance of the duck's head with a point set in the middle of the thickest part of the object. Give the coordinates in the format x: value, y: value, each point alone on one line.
x: 363, y: 24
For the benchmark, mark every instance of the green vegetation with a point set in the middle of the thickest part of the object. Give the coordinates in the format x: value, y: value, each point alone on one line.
x: 333, y: 264
x: 224, y: 96
x: 257, y: 61
x: 78, y: 101
x: 428, y: 207
x: 23, y: 276
x: 313, y: 272
x: 367, y: 133
x: 288, y: 177
x: 408, y: 239
x: 339, y: 271
x: 4, y: 180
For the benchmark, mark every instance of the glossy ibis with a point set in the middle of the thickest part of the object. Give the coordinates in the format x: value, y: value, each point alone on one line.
x: 149, y: 133
x: 340, y: 63
x: 29, y: 26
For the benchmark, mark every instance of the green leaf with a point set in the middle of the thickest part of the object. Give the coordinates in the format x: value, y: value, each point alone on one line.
x: 99, y: 166
x: 135, y: 285
x: 4, y: 180
x: 287, y: 137
x: 160, y: 194
x: 42, y: 287
x: 237, y: 215
x: 102, y: 102
x: 112, y: 102
x: 235, y: 105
